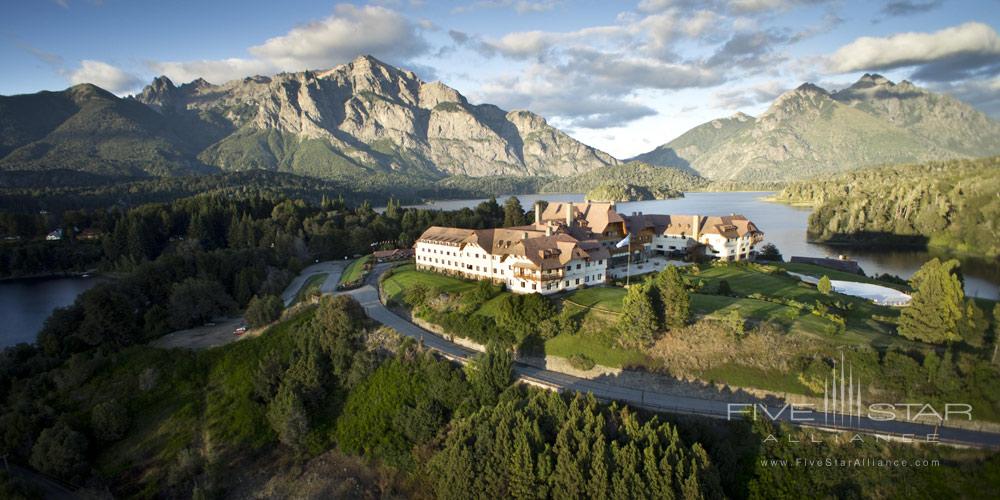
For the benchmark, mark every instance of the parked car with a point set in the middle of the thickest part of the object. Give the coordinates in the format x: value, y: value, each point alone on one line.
x: 240, y: 331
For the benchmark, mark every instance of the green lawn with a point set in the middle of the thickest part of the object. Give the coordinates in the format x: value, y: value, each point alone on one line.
x: 312, y: 284
x: 355, y: 270
x: 861, y: 328
x: 407, y: 275
x: 608, y: 298
x: 597, y: 349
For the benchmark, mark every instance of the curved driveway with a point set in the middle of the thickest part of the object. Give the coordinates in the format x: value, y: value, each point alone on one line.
x: 901, y: 430
x: 334, y: 268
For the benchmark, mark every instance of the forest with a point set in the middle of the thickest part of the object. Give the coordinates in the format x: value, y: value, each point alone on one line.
x: 949, y: 204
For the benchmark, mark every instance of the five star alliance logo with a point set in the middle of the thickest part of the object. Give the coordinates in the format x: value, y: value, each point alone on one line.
x: 843, y: 406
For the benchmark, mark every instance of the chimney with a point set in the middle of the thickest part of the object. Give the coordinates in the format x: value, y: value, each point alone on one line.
x: 695, y: 227
x: 525, y: 235
x: 569, y: 215
x: 538, y: 213
x: 548, y: 230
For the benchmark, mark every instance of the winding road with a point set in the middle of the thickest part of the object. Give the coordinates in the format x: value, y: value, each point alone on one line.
x: 905, y: 431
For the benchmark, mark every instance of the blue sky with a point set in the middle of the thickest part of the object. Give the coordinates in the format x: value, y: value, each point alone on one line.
x: 624, y: 76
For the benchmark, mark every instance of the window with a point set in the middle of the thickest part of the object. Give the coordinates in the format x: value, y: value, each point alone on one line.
x: 578, y: 281
x: 578, y: 266
x: 587, y: 279
x: 534, y: 286
x: 598, y: 277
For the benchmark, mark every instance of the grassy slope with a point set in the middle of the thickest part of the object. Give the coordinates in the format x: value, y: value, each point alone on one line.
x: 355, y: 269
x: 311, y: 284
x: 190, y: 400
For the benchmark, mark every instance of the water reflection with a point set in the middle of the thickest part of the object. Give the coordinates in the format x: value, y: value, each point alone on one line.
x: 25, y: 304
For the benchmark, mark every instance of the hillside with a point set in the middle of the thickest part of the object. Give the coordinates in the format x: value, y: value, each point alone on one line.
x: 357, y: 119
x: 809, y: 131
x: 951, y: 203
x: 87, y: 129
x: 635, y: 174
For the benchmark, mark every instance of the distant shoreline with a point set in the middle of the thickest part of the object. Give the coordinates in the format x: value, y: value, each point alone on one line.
x: 93, y: 273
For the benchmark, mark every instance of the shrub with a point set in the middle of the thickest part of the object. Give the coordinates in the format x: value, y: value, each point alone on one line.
x: 263, y: 311
x: 195, y: 301
x: 61, y: 452
x: 581, y: 362
x: 521, y: 314
x: 109, y: 421
x: 824, y: 285
x: 770, y: 252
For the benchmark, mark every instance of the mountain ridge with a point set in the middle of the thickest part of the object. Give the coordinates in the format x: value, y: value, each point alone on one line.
x: 809, y: 131
x: 360, y: 118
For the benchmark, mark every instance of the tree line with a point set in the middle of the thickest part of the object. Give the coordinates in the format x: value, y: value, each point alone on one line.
x: 950, y: 204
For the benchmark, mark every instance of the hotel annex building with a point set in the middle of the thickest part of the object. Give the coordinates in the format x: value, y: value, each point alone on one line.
x: 570, y: 245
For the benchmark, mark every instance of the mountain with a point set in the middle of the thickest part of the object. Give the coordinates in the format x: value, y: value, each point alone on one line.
x: 85, y: 128
x: 361, y: 116
x: 809, y: 131
x: 355, y: 120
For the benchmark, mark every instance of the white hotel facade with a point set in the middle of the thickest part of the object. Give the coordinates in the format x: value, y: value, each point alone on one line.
x: 571, y: 245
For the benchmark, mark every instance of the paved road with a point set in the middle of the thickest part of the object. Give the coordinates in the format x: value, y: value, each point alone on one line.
x: 368, y: 297
x: 334, y: 268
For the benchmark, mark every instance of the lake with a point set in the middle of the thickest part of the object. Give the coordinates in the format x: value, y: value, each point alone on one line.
x: 785, y: 226
x: 25, y: 304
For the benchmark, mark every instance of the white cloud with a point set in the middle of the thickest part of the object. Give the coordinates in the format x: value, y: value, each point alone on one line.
x: 519, y: 6
x: 106, y: 76
x: 970, y: 41
x: 349, y: 32
x: 741, y: 98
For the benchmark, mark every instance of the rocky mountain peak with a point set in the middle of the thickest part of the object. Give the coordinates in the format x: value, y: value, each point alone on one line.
x: 87, y: 91
x: 872, y: 80
x: 810, y: 88
x: 159, y: 93
x: 741, y: 117
x: 804, y: 99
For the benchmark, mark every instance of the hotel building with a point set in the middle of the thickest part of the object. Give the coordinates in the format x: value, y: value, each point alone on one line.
x: 570, y: 245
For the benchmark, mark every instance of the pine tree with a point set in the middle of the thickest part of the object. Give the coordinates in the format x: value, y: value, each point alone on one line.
x: 674, y: 296
x: 521, y: 470
x: 637, y: 325
x: 491, y: 372
x: 513, y: 213
x: 974, y: 326
x: 938, y: 305
x: 287, y: 415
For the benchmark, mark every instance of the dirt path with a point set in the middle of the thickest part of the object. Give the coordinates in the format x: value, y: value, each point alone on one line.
x: 201, y: 337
